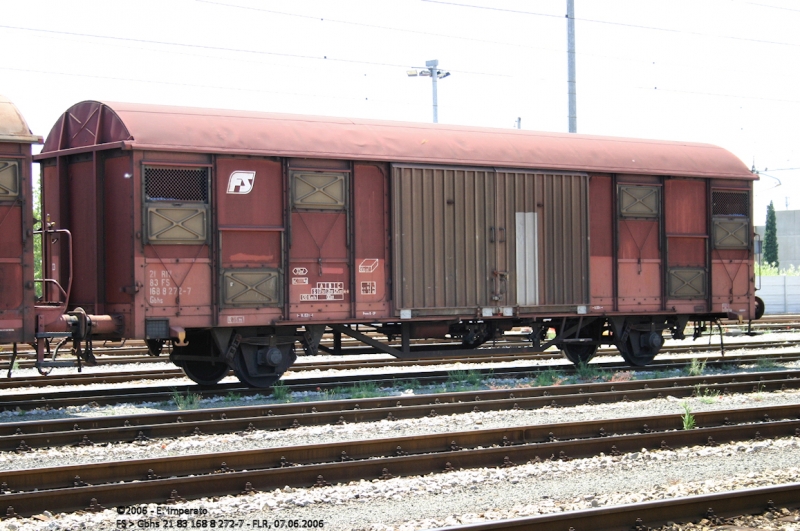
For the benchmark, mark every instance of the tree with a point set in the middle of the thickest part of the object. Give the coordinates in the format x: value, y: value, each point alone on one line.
x: 771, y: 237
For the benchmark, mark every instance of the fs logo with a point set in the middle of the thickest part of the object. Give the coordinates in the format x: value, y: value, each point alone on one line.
x: 241, y: 182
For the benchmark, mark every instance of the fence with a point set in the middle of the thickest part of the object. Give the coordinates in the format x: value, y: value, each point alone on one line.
x: 780, y: 294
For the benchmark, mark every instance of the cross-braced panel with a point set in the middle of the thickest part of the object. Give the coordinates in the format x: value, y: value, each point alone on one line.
x: 9, y: 180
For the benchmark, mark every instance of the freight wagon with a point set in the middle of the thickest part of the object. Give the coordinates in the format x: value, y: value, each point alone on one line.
x: 240, y: 238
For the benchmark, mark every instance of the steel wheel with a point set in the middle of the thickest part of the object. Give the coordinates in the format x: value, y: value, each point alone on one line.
x: 202, y: 345
x: 205, y: 373
x: 260, y: 368
x: 582, y: 352
x: 578, y: 353
x: 759, y: 308
x: 154, y: 346
x: 641, y: 354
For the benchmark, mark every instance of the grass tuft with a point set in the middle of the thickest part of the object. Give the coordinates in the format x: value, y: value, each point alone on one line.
x: 546, y: 378
x: 589, y: 373
x: 696, y: 367
x: 187, y: 400
x: 280, y: 391
x: 687, y: 417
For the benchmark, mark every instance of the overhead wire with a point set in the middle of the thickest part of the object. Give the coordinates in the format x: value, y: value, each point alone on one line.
x: 235, y: 50
x: 622, y: 24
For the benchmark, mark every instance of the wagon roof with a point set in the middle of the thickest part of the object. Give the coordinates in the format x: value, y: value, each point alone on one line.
x: 13, y: 127
x: 95, y: 125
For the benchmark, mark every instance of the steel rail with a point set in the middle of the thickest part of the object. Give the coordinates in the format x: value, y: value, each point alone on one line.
x: 346, y: 364
x: 647, y: 515
x: 105, y: 396
x: 86, y: 431
x: 73, y: 487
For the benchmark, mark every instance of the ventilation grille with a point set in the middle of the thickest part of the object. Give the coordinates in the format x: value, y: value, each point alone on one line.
x: 730, y: 204
x: 176, y: 184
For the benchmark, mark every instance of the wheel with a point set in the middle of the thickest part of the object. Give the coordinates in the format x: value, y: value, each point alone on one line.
x: 759, y: 308
x: 154, y: 346
x: 578, y: 352
x: 582, y: 352
x: 204, y: 372
x: 201, y: 345
x: 261, y: 366
x: 640, y: 348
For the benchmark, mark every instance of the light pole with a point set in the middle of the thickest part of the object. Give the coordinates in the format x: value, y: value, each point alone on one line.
x: 432, y: 70
x: 573, y: 112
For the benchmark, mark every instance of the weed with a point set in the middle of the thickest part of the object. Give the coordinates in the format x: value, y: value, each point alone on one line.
x: 232, y: 397
x: 15, y: 365
x: 548, y: 377
x: 588, y: 372
x: 456, y: 377
x: 186, y: 401
x: 687, y: 417
x: 696, y: 367
x: 766, y: 363
x: 280, y: 391
x: 332, y: 394
x: 463, y: 380
x: 365, y: 390
x: 474, y: 377
x: 757, y: 392
x: 412, y: 384
x: 706, y: 396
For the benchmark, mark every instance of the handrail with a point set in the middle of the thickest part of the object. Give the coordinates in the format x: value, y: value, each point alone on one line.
x: 68, y: 291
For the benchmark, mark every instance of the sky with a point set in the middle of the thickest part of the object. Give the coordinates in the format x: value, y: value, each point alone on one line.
x: 723, y: 72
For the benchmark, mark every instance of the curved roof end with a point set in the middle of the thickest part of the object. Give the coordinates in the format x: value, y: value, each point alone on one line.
x: 13, y: 127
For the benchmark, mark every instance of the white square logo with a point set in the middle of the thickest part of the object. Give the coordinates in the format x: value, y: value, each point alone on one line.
x: 241, y: 182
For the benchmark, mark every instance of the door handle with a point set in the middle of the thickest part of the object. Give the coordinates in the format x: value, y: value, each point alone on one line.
x: 502, y: 234
x: 491, y: 234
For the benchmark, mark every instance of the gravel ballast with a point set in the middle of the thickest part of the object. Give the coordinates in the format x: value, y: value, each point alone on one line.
x: 462, y: 496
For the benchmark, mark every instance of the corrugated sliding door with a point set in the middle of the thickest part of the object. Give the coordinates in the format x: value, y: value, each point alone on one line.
x: 476, y: 241
x: 442, y: 259
x: 542, y: 245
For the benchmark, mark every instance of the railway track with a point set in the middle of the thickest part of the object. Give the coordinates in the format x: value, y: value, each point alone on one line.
x: 713, y: 508
x: 136, y: 352
x: 159, y: 480
x: 22, y: 436
x: 115, y: 395
x: 346, y: 364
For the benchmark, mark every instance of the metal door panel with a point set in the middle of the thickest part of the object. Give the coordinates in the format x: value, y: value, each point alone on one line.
x: 370, y: 215
x: 319, y: 245
x: 442, y: 223
x: 250, y: 240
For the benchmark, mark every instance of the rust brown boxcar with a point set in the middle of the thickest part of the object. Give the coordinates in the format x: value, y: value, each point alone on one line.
x: 17, y: 294
x: 236, y: 236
